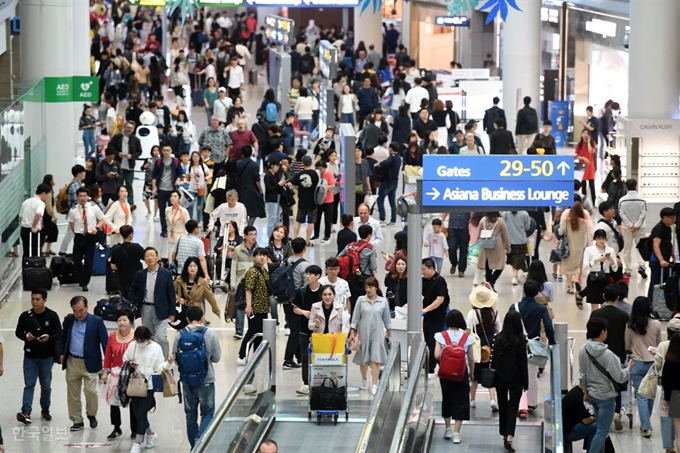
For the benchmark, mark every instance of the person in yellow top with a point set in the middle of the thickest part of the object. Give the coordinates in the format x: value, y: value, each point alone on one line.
x: 257, y: 300
x: 192, y: 289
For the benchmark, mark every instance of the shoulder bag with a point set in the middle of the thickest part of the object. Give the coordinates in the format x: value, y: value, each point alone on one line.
x: 485, y: 351
x: 598, y: 278
x: 138, y: 385
x: 538, y: 352
x: 487, y: 376
x: 487, y: 238
x: 649, y: 383
x: 618, y: 387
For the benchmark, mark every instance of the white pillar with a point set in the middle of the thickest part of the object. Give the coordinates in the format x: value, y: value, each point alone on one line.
x: 368, y: 27
x: 521, y: 59
x: 56, y: 43
x: 653, y: 77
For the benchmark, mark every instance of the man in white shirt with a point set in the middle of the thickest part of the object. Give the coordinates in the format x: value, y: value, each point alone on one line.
x: 222, y: 105
x: 243, y: 51
x: 231, y: 210
x: 224, y: 22
x: 84, y: 220
x: 633, y: 212
x: 233, y: 74
x: 414, y: 96
x: 364, y: 218
x: 30, y: 216
x: 342, y: 292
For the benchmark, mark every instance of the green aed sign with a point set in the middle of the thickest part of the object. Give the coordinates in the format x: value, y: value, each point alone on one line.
x: 71, y: 89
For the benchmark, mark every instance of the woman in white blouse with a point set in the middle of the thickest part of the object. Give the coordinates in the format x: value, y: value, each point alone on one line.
x: 119, y: 214
x: 598, y: 258
x: 304, y: 110
x: 176, y: 217
x: 198, y: 173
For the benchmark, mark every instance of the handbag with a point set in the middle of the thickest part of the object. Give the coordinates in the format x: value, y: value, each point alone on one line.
x: 331, y: 398
x: 649, y: 383
x: 487, y: 376
x: 138, y: 385
x: 473, y: 255
x: 287, y: 196
x: 660, y: 407
x: 485, y: 351
x: 487, y: 238
x: 538, y: 353
x: 201, y: 191
x: 355, y: 340
x: 169, y: 384
x: 562, y: 248
x: 598, y: 278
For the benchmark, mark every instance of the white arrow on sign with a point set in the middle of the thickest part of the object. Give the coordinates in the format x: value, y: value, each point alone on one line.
x: 564, y: 167
x: 435, y: 193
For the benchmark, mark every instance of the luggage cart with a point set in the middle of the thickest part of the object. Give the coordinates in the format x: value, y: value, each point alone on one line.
x: 220, y: 281
x: 329, y: 370
x: 627, y: 399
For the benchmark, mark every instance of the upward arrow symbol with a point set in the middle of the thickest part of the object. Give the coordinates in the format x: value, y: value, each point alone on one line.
x: 563, y: 166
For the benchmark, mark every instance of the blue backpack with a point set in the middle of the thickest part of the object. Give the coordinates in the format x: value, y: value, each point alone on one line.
x: 192, y: 358
x: 282, y: 283
x: 271, y: 113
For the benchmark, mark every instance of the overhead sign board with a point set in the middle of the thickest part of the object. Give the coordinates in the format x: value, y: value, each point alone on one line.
x: 328, y: 59
x: 280, y: 30
x: 452, y: 21
x: 499, y: 180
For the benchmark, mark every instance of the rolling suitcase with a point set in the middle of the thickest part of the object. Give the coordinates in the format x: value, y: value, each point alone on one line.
x: 252, y: 77
x: 659, y: 307
x: 35, y: 273
x: 102, y: 252
x: 68, y: 275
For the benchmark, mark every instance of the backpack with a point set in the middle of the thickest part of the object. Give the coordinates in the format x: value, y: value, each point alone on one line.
x: 531, y: 119
x: 349, y: 263
x: 321, y: 190
x: 453, y: 361
x: 175, y: 162
x: 617, y: 235
x: 63, y: 204
x: 271, y: 112
x: 282, y: 283
x: 192, y: 357
x: 402, y: 207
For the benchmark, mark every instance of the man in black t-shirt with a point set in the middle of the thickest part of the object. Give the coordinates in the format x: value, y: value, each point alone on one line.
x: 576, y: 420
x: 424, y: 125
x: 305, y: 182
x: 302, y: 304
x: 662, y: 249
x: 435, y: 301
x: 126, y: 260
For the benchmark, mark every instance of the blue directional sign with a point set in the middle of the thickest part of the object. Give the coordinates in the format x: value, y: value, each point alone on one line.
x: 440, y: 167
x: 497, y: 193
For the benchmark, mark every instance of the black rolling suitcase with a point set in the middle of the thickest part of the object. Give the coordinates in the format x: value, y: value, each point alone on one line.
x: 67, y: 274
x: 252, y: 77
x: 111, y: 278
x: 35, y: 273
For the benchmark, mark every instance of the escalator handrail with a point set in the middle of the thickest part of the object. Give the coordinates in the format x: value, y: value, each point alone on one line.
x: 417, y: 365
x: 390, y: 371
x: 262, y: 353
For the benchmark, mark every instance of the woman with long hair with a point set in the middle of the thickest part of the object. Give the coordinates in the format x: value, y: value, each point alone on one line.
x: 642, y: 334
x: 155, y: 77
x: 326, y: 316
x: 402, y: 125
x: 145, y: 356
x: 396, y: 283
x: 90, y: 170
x: 491, y: 261
x: 199, y: 174
x: 176, y: 217
x: 512, y: 375
x: 483, y: 320
x: 233, y: 239
x: 573, y: 223
x: 113, y: 361
x: 370, y: 318
x: 270, y: 98
x: 585, y: 155
x: 546, y: 294
x: 279, y: 248
x: 394, y: 96
x: 210, y: 95
x: 346, y: 106
x: 473, y: 226
x: 400, y: 250
x: 185, y: 128
x: 88, y: 124
x: 455, y: 395
x: 614, y: 162
x: 192, y: 289
x: 439, y: 115
x: 50, y: 230
x: 119, y: 214
x: 615, y: 191
x: 179, y: 76
x: 304, y: 111
x: 333, y: 166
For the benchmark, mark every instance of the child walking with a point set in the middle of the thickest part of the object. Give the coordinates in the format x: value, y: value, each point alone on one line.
x: 436, y: 241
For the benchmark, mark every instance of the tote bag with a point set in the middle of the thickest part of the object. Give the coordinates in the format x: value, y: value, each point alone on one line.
x: 649, y: 383
x: 112, y: 398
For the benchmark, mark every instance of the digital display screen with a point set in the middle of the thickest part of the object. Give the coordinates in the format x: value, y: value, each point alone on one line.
x: 279, y: 29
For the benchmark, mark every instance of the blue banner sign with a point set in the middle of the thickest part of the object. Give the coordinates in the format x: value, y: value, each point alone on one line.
x: 498, y: 168
x: 456, y: 193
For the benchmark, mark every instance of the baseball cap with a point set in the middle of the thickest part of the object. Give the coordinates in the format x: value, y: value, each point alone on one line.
x: 222, y: 89
x: 674, y: 324
x: 307, y: 160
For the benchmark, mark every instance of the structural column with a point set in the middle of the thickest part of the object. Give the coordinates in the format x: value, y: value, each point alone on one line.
x: 654, y: 76
x: 368, y: 27
x: 521, y: 59
x: 55, y: 42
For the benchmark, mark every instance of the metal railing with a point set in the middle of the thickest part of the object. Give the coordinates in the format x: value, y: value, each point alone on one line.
x: 379, y: 424
x: 553, y: 433
x: 208, y: 440
x: 410, y: 424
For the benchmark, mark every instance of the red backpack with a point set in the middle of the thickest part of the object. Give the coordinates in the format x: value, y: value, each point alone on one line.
x: 349, y: 262
x: 453, y: 361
